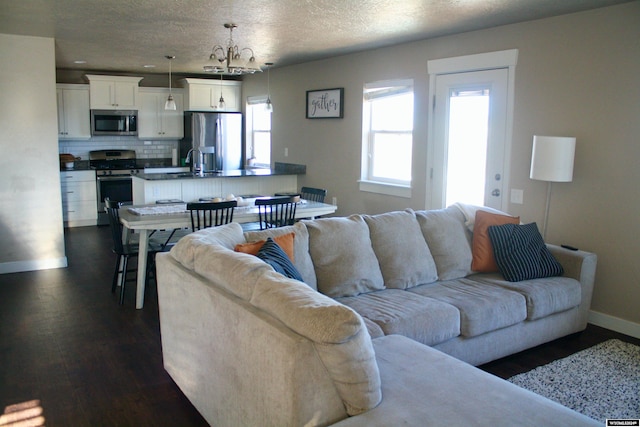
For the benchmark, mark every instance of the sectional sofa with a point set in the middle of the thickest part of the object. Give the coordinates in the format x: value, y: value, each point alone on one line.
x: 383, y: 328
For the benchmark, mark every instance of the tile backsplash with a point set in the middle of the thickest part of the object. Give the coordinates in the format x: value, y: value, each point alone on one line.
x: 144, y: 149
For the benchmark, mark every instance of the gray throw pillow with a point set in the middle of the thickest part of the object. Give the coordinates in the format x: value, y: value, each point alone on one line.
x: 343, y: 258
x: 402, y: 252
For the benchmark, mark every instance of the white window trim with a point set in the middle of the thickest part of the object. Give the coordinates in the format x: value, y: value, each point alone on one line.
x: 253, y: 100
x: 367, y: 185
x: 385, y: 188
x: 478, y: 62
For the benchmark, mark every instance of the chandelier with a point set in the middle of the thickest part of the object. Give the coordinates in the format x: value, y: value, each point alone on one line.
x: 228, y: 60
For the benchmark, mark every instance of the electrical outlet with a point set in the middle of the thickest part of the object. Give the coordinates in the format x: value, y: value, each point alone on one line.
x: 517, y: 196
x: 286, y: 152
x: 334, y: 201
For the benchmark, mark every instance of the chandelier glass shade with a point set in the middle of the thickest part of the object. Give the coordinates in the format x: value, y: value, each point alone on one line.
x: 229, y: 59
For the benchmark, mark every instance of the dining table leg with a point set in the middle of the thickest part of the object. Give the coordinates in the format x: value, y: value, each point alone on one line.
x: 142, y: 267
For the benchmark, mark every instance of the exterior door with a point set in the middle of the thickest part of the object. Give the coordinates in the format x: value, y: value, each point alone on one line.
x: 469, y: 123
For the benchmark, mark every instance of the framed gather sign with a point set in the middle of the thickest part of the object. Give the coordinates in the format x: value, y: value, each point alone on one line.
x: 325, y: 103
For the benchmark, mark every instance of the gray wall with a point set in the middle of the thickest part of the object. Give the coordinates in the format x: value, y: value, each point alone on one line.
x: 577, y: 75
x: 31, y: 216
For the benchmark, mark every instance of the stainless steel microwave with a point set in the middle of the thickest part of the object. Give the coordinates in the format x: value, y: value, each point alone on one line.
x: 114, y: 122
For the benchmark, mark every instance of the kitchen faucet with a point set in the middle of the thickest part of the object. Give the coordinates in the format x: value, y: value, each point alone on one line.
x: 197, y: 166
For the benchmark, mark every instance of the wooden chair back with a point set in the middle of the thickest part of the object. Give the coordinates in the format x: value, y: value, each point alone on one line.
x: 277, y: 211
x: 210, y: 214
x: 313, y: 194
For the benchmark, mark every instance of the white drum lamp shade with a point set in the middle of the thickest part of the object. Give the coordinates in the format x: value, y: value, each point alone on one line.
x: 552, y: 158
x: 552, y: 161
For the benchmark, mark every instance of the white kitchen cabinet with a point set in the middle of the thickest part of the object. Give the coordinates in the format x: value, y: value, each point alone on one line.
x: 113, y: 92
x: 73, y: 111
x: 154, y: 122
x: 204, y: 94
x: 79, y: 198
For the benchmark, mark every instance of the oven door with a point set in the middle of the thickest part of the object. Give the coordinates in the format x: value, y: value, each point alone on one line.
x: 117, y: 188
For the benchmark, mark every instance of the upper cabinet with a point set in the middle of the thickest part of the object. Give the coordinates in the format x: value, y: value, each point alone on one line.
x: 204, y: 95
x: 156, y: 122
x: 113, y: 92
x: 73, y: 111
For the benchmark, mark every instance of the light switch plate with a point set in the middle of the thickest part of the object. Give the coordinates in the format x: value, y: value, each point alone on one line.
x: 517, y: 196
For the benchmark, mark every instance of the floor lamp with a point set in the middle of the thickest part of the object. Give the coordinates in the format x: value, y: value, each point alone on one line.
x: 552, y: 161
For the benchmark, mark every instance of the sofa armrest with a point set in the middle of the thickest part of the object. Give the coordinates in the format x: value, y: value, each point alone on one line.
x: 580, y: 265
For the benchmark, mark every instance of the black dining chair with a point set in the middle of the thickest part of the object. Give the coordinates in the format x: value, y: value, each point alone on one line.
x: 125, y: 250
x: 313, y: 194
x: 210, y: 214
x: 277, y: 211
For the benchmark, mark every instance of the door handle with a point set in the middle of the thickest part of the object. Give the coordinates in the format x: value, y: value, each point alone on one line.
x: 496, y: 193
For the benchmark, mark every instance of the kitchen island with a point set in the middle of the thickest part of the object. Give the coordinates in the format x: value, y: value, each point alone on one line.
x: 151, y: 188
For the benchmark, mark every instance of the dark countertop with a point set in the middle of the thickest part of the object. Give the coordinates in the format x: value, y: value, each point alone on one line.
x: 78, y: 165
x: 208, y: 175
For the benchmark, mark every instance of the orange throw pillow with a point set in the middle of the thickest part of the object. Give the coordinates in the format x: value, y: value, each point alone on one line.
x: 482, y: 250
x: 285, y: 242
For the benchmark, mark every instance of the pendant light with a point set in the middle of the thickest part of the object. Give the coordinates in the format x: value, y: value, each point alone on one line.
x: 170, y: 104
x: 268, y: 106
x: 221, y: 104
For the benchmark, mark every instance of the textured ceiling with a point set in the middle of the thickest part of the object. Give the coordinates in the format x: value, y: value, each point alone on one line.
x: 124, y: 35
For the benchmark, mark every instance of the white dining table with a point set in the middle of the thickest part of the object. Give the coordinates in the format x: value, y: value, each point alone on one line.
x: 144, y: 219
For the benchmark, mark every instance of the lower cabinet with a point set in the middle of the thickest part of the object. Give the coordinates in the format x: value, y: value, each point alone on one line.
x: 79, y: 198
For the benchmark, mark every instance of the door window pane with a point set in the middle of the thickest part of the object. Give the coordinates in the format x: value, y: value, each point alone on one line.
x: 467, y: 146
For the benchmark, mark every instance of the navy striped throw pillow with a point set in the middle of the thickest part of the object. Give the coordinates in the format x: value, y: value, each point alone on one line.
x: 521, y: 254
x: 272, y: 254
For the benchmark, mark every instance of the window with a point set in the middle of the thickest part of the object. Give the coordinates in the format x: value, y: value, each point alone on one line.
x: 258, y: 132
x: 387, y: 137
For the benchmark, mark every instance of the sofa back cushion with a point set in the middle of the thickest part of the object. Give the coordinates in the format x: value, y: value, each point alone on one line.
x: 449, y: 241
x: 402, y: 252
x: 301, y: 258
x: 343, y: 257
x: 227, y: 236
x: 338, y: 333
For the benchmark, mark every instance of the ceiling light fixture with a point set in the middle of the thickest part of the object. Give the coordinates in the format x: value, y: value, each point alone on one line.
x: 170, y: 104
x: 221, y: 103
x: 268, y: 105
x: 228, y: 60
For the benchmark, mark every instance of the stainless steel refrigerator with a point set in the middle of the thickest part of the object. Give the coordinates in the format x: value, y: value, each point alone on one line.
x: 218, y: 136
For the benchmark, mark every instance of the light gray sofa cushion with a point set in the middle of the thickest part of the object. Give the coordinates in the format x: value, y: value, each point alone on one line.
x: 449, y: 241
x: 402, y: 252
x: 228, y: 236
x: 425, y: 387
x: 343, y: 258
x: 399, y: 312
x: 544, y: 296
x: 302, y: 259
x: 482, y: 308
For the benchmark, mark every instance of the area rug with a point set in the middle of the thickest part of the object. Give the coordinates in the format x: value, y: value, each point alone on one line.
x: 601, y: 382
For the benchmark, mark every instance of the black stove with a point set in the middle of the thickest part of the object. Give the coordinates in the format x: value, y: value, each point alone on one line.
x: 113, y: 162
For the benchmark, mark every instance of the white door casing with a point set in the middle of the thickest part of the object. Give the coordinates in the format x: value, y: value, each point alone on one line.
x: 493, y: 72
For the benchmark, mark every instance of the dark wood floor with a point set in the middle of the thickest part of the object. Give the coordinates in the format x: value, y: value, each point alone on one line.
x: 65, y: 341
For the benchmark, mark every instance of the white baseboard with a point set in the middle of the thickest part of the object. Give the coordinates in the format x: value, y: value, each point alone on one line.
x: 614, y: 323
x: 32, y: 265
